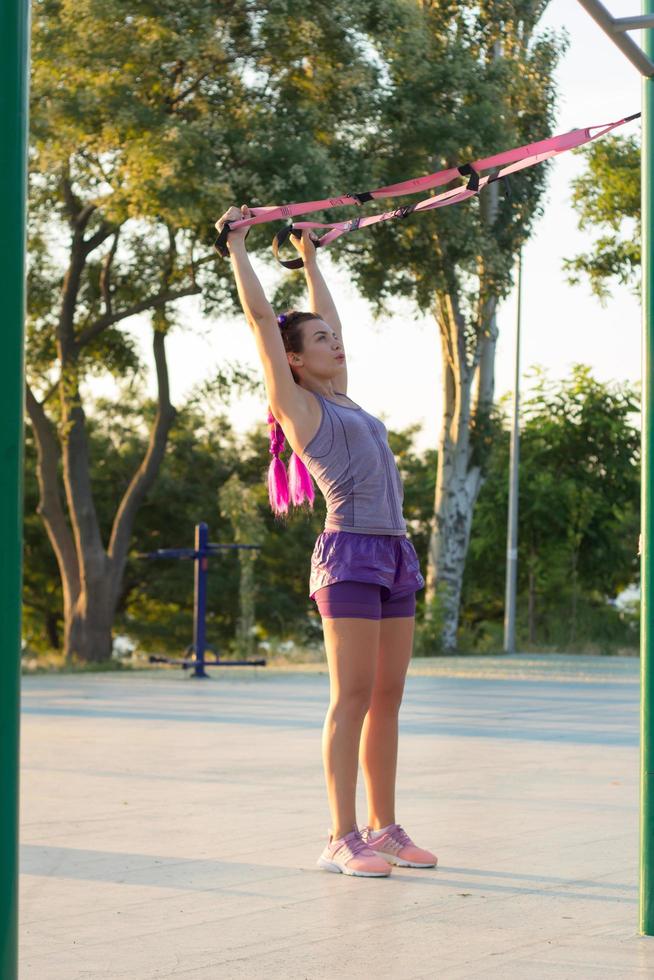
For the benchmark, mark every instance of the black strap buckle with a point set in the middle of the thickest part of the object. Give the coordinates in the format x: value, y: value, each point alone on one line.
x: 495, y: 174
x: 402, y: 212
x: 361, y: 198
x: 467, y: 170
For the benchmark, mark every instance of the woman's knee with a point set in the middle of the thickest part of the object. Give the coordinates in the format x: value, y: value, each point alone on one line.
x: 351, y: 704
x: 387, y: 699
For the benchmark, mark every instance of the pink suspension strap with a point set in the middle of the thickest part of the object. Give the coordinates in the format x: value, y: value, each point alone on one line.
x: 499, y: 165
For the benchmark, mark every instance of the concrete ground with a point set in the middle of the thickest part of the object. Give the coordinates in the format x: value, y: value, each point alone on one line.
x: 170, y: 827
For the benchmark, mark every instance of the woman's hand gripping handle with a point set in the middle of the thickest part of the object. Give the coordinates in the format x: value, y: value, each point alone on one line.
x: 228, y: 236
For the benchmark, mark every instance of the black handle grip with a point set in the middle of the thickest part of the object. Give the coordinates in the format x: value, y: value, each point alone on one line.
x: 220, y: 243
x: 281, y: 238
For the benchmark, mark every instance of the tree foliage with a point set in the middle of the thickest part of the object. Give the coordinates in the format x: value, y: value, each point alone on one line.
x: 155, y: 119
x: 462, y: 81
x: 578, y: 508
x: 606, y: 198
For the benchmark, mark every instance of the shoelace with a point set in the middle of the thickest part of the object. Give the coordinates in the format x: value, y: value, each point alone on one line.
x: 400, y: 835
x: 356, y: 845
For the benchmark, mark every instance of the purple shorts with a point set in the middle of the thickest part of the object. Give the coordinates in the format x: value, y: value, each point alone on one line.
x: 386, y: 560
x: 362, y: 600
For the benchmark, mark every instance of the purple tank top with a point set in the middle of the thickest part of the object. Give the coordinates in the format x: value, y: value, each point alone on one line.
x: 351, y: 461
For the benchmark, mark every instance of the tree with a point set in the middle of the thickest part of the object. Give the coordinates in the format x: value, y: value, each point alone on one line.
x: 579, y: 505
x: 463, y: 80
x: 607, y: 196
x: 145, y: 124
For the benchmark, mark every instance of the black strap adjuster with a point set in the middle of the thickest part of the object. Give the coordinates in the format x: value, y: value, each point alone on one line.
x: 467, y: 170
x: 402, y: 212
x: 361, y: 198
x: 496, y: 174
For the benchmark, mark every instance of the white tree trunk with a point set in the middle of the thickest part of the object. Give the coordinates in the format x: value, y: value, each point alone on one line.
x: 468, y: 390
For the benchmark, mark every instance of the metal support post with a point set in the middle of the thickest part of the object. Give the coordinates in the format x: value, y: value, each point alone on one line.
x: 512, y: 524
x: 200, y: 598
x: 14, y: 82
x: 646, y: 917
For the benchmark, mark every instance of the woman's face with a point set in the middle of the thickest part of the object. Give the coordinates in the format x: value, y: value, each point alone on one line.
x: 322, y: 352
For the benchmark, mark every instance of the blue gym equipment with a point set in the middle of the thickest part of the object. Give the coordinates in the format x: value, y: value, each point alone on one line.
x: 200, y: 555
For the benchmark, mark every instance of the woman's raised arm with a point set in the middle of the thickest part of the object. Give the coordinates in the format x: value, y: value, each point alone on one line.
x: 283, y: 396
x: 250, y: 291
x: 320, y: 298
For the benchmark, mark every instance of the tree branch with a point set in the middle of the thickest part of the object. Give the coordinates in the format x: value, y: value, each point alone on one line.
x: 105, y: 275
x: 173, y: 102
x: 72, y: 203
x: 153, y: 302
x: 69, y: 292
x: 147, y: 472
x: 50, y: 507
x: 104, y: 231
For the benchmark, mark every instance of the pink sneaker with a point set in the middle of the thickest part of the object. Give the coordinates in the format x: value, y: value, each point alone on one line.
x: 395, y: 845
x: 350, y: 855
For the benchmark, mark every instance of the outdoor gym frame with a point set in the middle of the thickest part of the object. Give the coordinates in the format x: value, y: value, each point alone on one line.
x: 199, y: 555
x: 616, y: 27
x: 14, y: 82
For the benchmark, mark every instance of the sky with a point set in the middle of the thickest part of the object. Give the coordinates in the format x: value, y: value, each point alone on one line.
x: 394, y: 368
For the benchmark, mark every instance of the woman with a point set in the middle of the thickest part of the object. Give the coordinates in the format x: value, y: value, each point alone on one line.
x: 364, y: 570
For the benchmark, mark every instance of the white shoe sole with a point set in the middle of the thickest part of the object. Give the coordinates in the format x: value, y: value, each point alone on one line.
x: 400, y: 862
x: 338, y: 869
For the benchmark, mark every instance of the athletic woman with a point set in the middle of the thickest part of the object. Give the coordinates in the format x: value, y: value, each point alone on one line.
x: 364, y: 570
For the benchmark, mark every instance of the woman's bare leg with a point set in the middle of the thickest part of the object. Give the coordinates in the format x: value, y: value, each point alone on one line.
x: 352, y: 647
x: 379, y: 734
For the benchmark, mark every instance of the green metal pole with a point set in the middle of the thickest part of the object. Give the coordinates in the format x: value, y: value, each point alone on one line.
x: 14, y: 81
x: 646, y: 913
